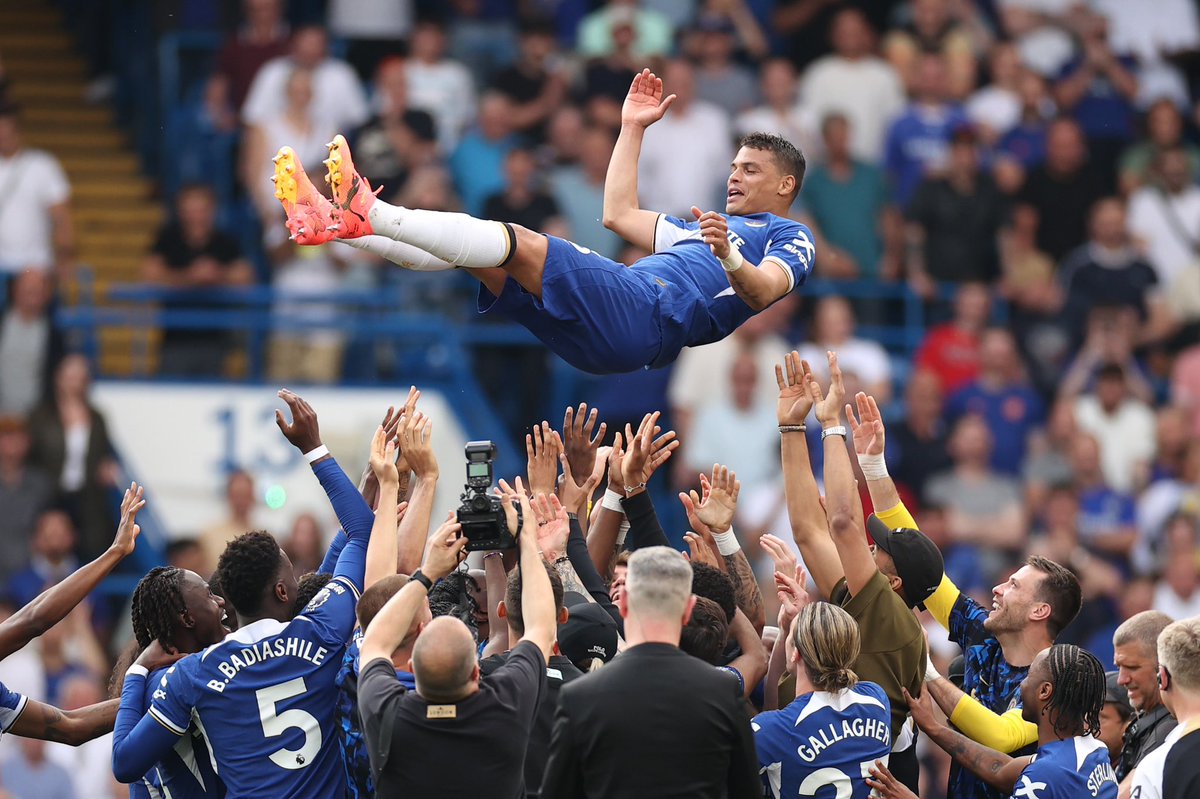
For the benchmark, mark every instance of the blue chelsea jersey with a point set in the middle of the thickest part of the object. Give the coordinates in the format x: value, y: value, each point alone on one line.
x: 12, y: 705
x: 698, y: 303
x: 264, y: 699
x: 1077, y: 768
x: 187, y: 772
x: 823, y: 744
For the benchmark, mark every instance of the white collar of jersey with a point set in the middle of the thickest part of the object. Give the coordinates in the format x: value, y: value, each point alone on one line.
x: 250, y: 634
x: 1084, y: 746
x: 838, y: 701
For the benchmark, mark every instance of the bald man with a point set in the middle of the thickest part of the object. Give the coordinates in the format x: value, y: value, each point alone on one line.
x: 451, y: 716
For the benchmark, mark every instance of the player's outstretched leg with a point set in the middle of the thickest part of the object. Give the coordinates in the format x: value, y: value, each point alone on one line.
x: 403, y: 255
x: 309, y: 215
x: 456, y: 239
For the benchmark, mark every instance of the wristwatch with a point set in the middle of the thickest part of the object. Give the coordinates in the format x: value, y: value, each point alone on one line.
x: 419, y: 577
x: 839, y: 430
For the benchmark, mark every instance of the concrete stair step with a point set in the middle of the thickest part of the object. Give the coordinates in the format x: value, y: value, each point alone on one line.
x: 24, y: 67
x: 126, y: 215
x: 34, y: 42
x: 112, y: 191
x: 80, y: 142
x: 79, y: 117
x: 79, y: 164
x: 42, y: 92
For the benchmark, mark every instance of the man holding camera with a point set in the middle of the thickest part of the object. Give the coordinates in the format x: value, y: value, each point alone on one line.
x: 486, y: 725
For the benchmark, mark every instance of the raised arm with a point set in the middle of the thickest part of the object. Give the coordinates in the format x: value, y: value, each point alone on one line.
x: 606, y: 534
x: 809, y: 525
x: 381, y: 549
x: 537, y: 597
x: 416, y: 444
x: 644, y: 105
x: 752, y: 663
x: 637, y: 465
x: 52, y: 605
x: 714, y: 510
x: 385, y: 632
x: 1004, y: 732
x: 995, y: 768
x: 842, y: 505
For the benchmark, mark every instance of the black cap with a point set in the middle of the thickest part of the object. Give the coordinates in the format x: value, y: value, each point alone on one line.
x: 918, y: 560
x: 1115, y: 693
x: 589, y: 631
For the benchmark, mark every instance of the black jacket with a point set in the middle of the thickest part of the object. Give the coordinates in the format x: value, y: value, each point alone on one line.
x: 655, y: 722
x: 1143, y: 735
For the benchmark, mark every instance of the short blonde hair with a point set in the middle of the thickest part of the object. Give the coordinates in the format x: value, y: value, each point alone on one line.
x: 659, y: 583
x: 826, y: 636
x: 1179, y: 652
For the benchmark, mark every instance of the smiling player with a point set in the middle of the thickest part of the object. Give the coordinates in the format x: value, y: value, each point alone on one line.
x: 704, y: 278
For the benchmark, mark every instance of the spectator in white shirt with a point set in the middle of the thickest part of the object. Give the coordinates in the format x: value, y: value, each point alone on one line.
x: 373, y: 30
x: 685, y: 156
x: 996, y: 108
x: 338, y: 97
x: 833, y: 329
x: 35, y: 221
x: 855, y: 82
x: 780, y: 112
x: 1177, y: 592
x: 1124, y: 426
x: 1164, y: 217
x: 439, y: 85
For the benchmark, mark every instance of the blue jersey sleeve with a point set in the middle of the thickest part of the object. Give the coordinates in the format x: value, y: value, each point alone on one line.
x: 335, y: 549
x: 140, y: 741
x: 12, y: 705
x: 966, y: 621
x: 331, y: 611
x: 791, y: 246
x: 353, y: 514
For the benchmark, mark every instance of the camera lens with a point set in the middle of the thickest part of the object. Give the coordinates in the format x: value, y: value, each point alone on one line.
x: 480, y: 503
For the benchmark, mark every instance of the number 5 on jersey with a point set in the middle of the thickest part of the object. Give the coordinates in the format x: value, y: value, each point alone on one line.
x: 276, y: 724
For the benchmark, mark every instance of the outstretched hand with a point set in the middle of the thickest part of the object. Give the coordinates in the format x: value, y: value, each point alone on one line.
x: 542, y: 448
x: 302, y: 432
x: 416, y: 443
x: 793, y: 596
x: 128, y: 529
x: 828, y: 407
x: 717, y: 502
x: 553, y: 526
x: 383, y: 458
x: 645, y: 104
x: 795, y: 401
x: 867, y: 428
x: 578, y: 442
x: 645, y: 453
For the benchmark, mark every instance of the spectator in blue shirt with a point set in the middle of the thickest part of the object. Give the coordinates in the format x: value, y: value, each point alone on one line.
x: 1002, y: 396
x: 919, y: 138
x: 477, y: 164
x: 1107, y: 518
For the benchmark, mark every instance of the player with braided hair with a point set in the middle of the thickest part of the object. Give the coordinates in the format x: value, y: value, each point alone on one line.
x: 176, y: 613
x: 1062, y: 695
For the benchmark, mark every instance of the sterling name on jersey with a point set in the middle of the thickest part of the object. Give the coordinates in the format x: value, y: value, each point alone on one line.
x: 1077, y: 768
x: 698, y: 303
x: 264, y: 700
x: 823, y: 744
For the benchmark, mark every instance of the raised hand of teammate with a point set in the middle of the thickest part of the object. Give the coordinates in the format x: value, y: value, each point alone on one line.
x: 578, y: 442
x: 645, y: 104
x: 128, y: 528
x: 699, y: 551
x: 303, y: 431
x: 795, y: 401
x: 793, y: 596
x: 574, y: 497
x: 553, y: 526
x: 645, y: 452
x: 700, y: 528
x: 717, y: 502
x: 383, y: 460
x: 416, y: 442
x: 714, y: 230
x: 780, y: 553
x: 867, y: 428
x: 542, y: 448
x: 828, y: 407
x: 445, y: 549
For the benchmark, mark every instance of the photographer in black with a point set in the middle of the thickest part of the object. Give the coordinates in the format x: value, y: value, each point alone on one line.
x: 485, y: 725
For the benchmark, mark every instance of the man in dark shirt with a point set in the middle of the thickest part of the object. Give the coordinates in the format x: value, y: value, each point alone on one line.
x: 958, y: 218
x: 533, y: 84
x: 195, y: 260
x: 1108, y: 272
x: 1052, y: 207
x: 397, y: 140
x: 484, y: 726
x: 1135, y: 652
x: 523, y: 202
x: 654, y: 722
x: 559, y: 672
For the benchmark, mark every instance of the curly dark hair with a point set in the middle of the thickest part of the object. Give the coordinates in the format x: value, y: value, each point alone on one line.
x: 787, y: 156
x: 1079, y: 684
x: 712, y: 583
x: 308, y: 587
x: 451, y: 597
x: 706, y: 633
x: 157, y: 606
x: 247, y: 567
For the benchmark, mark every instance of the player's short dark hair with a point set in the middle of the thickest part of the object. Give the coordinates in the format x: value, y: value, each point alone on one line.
x: 375, y: 597
x: 451, y: 597
x: 707, y: 631
x: 247, y: 568
x: 1111, y: 371
x: 512, y: 597
x: 308, y: 587
x: 1079, y: 687
x: 787, y: 156
x: 158, y: 606
x: 712, y: 583
x: 1060, y: 590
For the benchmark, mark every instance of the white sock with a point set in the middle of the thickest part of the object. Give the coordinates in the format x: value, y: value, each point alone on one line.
x: 399, y: 253
x: 455, y: 238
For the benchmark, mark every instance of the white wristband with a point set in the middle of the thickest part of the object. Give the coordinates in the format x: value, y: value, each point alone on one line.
x: 733, y: 261
x: 319, y: 452
x: 612, y: 501
x: 874, y: 467
x: 137, y: 671
x: 931, y: 673
x: 622, y: 531
x: 727, y: 543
